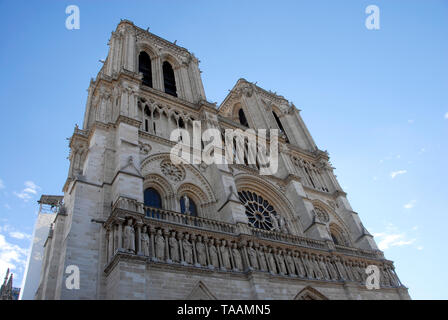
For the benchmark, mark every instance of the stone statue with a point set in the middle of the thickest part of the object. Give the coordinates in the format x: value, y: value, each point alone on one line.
x: 160, y: 245
x: 282, y: 224
x: 331, y: 269
x: 262, y: 259
x: 274, y: 222
x: 213, y: 252
x: 340, y: 268
x: 271, y: 261
x: 186, y: 204
x: 252, y: 253
x: 200, y: 249
x: 144, y: 242
x: 281, y: 262
x: 174, y: 247
x: 317, y: 270
x: 129, y: 236
x: 290, y: 263
x: 323, y: 268
x: 188, y: 249
x: 299, y: 265
x: 225, y: 255
x: 237, y: 258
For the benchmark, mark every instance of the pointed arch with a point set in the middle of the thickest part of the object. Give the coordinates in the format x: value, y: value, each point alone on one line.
x: 169, y: 79
x: 309, y: 293
x: 272, y: 194
x: 338, y: 235
x: 144, y: 67
x: 200, y: 292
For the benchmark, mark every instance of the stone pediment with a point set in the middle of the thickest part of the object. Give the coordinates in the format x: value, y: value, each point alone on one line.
x: 201, y: 292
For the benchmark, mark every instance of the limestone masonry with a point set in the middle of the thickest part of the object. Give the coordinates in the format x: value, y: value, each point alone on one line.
x: 140, y: 227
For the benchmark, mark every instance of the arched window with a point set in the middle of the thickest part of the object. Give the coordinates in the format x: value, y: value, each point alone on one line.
x: 168, y: 79
x: 242, y: 117
x: 144, y: 66
x: 337, y: 235
x: 152, y: 198
x: 279, y: 124
x: 192, y: 210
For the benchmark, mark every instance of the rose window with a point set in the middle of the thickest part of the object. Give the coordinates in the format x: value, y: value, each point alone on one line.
x: 172, y: 171
x: 258, y: 210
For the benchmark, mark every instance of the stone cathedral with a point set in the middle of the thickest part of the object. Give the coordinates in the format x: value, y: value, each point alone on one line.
x: 138, y: 226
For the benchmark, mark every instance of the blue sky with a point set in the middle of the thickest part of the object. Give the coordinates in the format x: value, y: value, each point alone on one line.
x: 377, y: 100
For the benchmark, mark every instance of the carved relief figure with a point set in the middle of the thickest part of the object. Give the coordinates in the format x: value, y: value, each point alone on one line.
x: 129, y: 236
x: 252, y: 253
x: 274, y: 222
x: 323, y: 267
x: 160, y: 245
x: 225, y: 255
x: 213, y: 252
x: 144, y: 241
x: 271, y: 261
x: 290, y: 263
x: 200, y: 249
x: 174, y: 247
x: 299, y: 265
x: 188, y: 249
x: 331, y: 269
x: 262, y: 259
x: 281, y: 262
x: 237, y: 257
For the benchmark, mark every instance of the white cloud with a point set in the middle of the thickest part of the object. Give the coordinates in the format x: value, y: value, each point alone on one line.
x: 11, y: 256
x: 393, y: 174
x: 2, y: 185
x: 420, y: 248
x: 19, y: 235
x: 410, y: 204
x: 27, y: 193
x: 387, y: 240
x: 446, y: 115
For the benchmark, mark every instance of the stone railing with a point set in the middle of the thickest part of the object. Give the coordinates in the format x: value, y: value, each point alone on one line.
x: 359, y: 252
x: 288, y: 238
x: 162, y: 236
x: 183, y: 219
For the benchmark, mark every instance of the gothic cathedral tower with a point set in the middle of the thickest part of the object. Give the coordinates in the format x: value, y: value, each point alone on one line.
x: 138, y: 226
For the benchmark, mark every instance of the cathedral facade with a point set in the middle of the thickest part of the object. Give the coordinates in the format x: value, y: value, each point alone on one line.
x: 138, y: 226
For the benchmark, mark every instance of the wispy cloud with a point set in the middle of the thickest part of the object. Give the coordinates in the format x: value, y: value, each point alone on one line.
x: 446, y: 115
x: 387, y: 240
x: 12, y: 256
x: 393, y: 237
x: 2, y: 185
x: 27, y: 193
x: 410, y: 204
x: 393, y: 174
x: 411, y: 121
x: 19, y: 235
